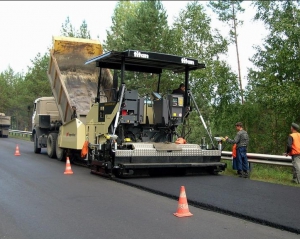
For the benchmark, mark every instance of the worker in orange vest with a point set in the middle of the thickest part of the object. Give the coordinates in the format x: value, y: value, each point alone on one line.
x: 293, y: 149
x: 234, y: 159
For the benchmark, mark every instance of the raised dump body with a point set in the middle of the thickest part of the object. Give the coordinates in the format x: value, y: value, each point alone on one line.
x: 4, y: 125
x: 72, y: 82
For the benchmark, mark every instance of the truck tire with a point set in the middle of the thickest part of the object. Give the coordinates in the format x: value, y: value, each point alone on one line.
x: 51, y: 145
x: 36, y: 148
x: 60, y: 152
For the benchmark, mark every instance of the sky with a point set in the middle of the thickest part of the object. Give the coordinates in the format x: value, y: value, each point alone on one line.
x: 27, y: 28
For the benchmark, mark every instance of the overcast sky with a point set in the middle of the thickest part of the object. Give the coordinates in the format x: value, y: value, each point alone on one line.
x: 27, y: 28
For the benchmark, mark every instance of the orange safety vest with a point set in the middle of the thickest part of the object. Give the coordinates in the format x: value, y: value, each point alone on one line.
x: 296, y: 144
x: 234, y: 151
x: 84, y: 149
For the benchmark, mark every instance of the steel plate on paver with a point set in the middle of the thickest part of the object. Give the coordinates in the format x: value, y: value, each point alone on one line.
x: 166, y: 147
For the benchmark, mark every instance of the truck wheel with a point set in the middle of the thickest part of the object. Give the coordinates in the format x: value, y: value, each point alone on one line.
x: 60, y: 153
x: 51, y: 145
x: 36, y: 148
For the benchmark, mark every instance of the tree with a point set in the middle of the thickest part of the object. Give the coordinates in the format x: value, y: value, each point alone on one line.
x: 148, y: 28
x: 68, y: 30
x: 36, y: 80
x: 8, y: 80
x: 11, y: 96
x: 227, y: 12
x: 33, y: 85
x: 215, y: 88
x: 83, y: 31
x: 141, y: 26
x: 115, y: 36
x: 274, y: 81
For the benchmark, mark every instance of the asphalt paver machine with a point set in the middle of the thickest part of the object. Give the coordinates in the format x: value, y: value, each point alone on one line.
x: 130, y: 134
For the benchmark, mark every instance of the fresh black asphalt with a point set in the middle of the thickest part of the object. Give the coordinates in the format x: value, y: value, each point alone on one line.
x: 265, y: 203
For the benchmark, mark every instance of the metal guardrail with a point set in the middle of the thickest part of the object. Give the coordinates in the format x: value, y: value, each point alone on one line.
x: 20, y: 133
x: 227, y: 155
x: 263, y: 158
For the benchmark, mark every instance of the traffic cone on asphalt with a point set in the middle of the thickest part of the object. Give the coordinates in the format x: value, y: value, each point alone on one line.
x: 183, y: 207
x: 17, y: 153
x: 68, y: 169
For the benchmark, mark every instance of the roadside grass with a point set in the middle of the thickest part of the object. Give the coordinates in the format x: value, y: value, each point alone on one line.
x: 266, y: 173
x: 259, y: 172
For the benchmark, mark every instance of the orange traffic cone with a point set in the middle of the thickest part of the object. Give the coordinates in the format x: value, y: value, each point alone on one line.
x: 17, y: 153
x: 183, y: 207
x: 68, y: 169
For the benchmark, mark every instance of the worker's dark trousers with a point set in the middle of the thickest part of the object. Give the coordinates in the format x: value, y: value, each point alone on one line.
x: 241, y: 154
x: 296, y: 168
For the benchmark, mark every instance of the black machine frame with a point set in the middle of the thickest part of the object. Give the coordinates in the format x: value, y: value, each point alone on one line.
x: 147, y: 62
x: 154, y: 63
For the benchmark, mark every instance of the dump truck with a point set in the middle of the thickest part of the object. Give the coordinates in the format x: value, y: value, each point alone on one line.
x: 115, y: 130
x: 45, y: 124
x: 5, y: 122
x: 74, y: 88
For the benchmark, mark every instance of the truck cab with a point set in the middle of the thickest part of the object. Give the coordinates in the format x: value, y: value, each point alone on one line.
x: 45, y: 118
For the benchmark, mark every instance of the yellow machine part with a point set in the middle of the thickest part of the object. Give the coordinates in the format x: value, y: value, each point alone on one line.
x: 72, y: 82
x: 72, y: 135
x: 71, y: 54
x: 86, y: 48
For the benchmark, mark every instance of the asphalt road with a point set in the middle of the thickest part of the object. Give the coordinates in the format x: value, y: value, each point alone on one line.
x: 38, y: 201
x: 265, y: 203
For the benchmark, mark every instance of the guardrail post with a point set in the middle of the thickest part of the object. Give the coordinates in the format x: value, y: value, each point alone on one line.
x: 250, y: 166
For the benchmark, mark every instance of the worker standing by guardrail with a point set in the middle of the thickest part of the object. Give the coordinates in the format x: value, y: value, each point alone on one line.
x: 241, y: 140
x: 234, y: 158
x: 293, y: 149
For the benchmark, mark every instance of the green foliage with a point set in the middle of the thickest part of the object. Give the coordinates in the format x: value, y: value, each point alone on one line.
x: 140, y: 26
x: 227, y: 11
x: 274, y: 84
x: 68, y: 30
x: 36, y: 80
x: 12, y: 95
x: 20, y: 91
x: 115, y: 37
x: 214, y: 88
x: 271, y: 96
x: 8, y: 82
x: 147, y: 28
x: 83, y: 31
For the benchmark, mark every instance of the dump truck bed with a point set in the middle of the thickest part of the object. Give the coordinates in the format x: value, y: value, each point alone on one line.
x: 72, y: 82
x: 4, y: 120
x: 4, y: 125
